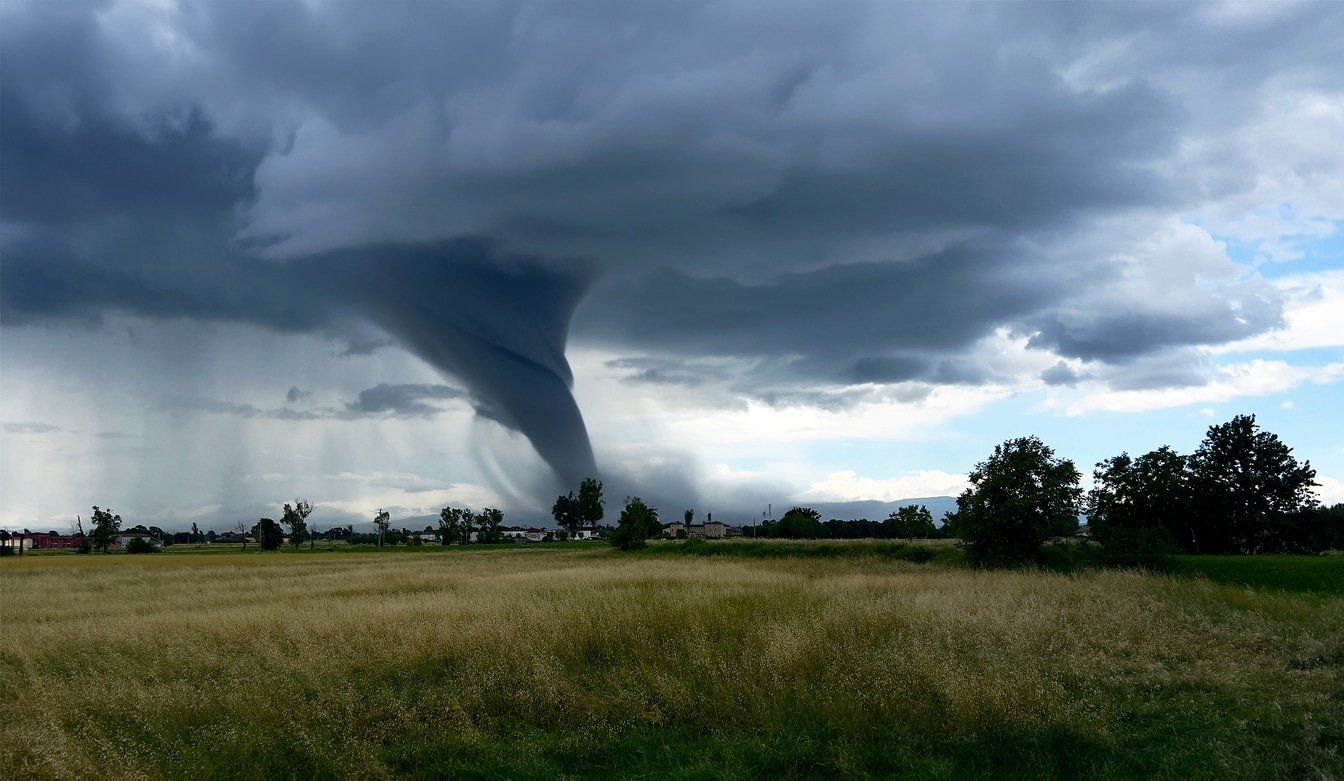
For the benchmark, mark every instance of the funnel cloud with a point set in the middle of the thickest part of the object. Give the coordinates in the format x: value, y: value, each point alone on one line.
x: 497, y: 322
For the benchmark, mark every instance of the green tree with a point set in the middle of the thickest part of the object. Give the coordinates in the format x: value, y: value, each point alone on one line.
x: 589, y: 503
x: 105, y: 528
x: 489, y: 520
x: 579, y: 512
x: 948, y: 530
x: 296, y: 518
x: 566, y: 511
x: 913, y: 520
x: 1141, y: 508
x: 381, y: 520
x: 638, y: 522
x: 269, y: 534
x: 799, y: 523
x: 1019, y: 498
x: 467, y: 526
x: 450, y: 524
x: 1247, y: 488
x: 1318, y: 529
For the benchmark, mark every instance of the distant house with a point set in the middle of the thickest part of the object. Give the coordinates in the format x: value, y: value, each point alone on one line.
x: 537, y: 535
x: 53, y: 539
x: 584, y: 534
x: 429, y: 536
x: 709, y: 530
x: 122, y: 538
x: 514, y: 534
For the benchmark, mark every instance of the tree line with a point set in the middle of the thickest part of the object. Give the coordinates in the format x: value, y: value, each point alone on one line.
x: 458, y: 526
x: 1241, y: 491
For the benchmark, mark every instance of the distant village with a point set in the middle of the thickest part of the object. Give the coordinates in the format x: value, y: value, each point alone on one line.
x: 17, y: 542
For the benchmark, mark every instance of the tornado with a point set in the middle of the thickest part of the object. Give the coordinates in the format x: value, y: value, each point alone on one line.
x: 497, y: 321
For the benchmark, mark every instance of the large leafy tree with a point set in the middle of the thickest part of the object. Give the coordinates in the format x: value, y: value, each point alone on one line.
x: 638, y: 522
x: 566, y: 512
x: 800, y: 523
x: 450, y: 525
x: 589, y: 503
x: 296, y: 518
x: 1019, y: 498
x: 489, y: 521
x: 269, y: 534
x: 580, y: 512
x: 105, y: 528
x: 1247, y: 488
x: 1141, y: 507
x: 912, y: 520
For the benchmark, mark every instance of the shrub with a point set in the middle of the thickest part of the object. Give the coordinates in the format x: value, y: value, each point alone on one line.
x: 638, y: 523
x: 141, y: 545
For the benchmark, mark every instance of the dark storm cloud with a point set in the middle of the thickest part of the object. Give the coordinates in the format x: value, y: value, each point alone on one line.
x: 380, y: 401
x: 1167, y: 369
x: 861, y: 322
x: 30, y: 428
x: 218, y: 407
x: 177, y: 172
x: 1061, y: 374
x: 362, y: 345
x: 294, y: 394
x: 1118, y: 336
x: 889, y: 368
x: 835, y: 194
x: 402, y: 401
x: 664, y: 371
x: 411, y: 485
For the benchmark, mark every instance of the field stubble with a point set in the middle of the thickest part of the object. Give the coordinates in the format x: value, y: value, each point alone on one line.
x: 550, y: 662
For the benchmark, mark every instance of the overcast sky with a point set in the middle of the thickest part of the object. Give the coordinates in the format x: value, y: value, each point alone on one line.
x: 720, y: 254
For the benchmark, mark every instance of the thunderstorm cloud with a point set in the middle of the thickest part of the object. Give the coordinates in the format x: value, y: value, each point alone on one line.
x: 790, y: 204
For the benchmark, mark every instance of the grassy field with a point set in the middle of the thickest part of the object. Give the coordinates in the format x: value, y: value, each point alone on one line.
x: 565, y: 662
x: 1307, y: 574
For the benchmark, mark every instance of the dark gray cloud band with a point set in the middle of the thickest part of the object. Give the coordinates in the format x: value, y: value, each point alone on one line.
x: 407, y: 400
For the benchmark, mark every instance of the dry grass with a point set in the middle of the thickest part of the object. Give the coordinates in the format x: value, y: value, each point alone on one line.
x: 541, y: 662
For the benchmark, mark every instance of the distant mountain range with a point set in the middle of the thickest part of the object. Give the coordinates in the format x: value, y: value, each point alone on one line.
x: 876, y: 511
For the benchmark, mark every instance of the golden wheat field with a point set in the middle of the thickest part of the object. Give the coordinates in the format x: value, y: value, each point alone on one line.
x: 589, y: 663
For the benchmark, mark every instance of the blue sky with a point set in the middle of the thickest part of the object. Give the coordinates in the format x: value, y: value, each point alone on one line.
x: 415, y: 254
